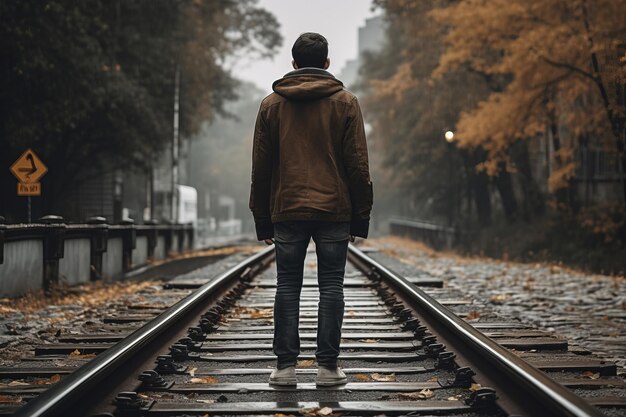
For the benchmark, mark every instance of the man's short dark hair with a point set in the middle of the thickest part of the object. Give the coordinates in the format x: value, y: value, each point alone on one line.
x: 310, y: 50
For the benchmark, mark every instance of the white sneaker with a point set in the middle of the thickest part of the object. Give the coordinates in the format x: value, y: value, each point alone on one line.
x: 284, y: 377
x: 328, y: 377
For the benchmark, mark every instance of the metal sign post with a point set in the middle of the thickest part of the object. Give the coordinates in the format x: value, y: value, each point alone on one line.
x: 28, y: 169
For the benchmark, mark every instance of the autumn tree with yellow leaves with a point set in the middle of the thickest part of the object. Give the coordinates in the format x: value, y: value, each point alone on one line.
x: 565, y: 61
x: 534, y: 91
x: 410, y: 112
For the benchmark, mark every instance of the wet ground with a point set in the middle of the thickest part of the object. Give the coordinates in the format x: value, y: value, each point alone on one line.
x: 34, y: 319
x: 587, y: 309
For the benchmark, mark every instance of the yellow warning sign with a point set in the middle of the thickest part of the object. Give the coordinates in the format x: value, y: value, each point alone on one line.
x: 33, y: 189
x: 28, y: 169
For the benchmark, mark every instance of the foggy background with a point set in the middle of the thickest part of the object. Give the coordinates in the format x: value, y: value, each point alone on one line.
x: 220, y: 155
x: 503, y: 136
x: 338, y: 21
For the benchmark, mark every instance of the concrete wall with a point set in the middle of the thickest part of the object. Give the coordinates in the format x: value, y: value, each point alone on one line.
x: 74, y: 267
x: 174, y: 247
x: 140, y: 253
x: 112, y: 259
x: 159, y: 250
x: 22, y: 270
x: 186, y: 242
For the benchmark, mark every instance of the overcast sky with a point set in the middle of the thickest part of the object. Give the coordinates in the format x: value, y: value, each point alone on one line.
x: 337, y: 20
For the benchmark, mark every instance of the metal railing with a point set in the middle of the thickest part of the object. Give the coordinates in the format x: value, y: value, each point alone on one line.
x: 40, y: 255
x: 433, y: 234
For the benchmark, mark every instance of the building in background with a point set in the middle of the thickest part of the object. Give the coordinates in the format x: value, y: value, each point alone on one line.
x: 371, y: 39
x: 219, y: 165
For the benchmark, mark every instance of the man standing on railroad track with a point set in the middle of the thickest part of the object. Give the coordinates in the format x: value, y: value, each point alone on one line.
x: 310, y: 179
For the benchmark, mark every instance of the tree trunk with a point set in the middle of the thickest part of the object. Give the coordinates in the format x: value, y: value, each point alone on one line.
x: 479, y: 184
x: 533, y: 202
x: 504, y: 183
x: 617, y: 120
x: 482, y: 198
x: 565, y: 197
x: 622, y: 169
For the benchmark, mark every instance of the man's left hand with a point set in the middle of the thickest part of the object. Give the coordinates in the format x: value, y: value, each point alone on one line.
x: 269, y: 241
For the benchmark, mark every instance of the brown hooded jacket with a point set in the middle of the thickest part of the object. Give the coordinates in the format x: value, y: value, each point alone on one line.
x: 309, y: 159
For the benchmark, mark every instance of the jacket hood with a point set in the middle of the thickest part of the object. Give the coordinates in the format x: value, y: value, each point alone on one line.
x: 307, y: 84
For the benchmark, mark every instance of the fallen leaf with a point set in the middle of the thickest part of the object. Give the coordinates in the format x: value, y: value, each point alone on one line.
x: 370, y: 340
x: 76, y: 353
x: 192, y: 372
x: 89, y: 295
x: 262, y: 314
x: 253, y: 313
x: 46, y: 381
x: 205, y: 401
x: 317, y: 412
x: 591, y: 375
x: 529, y: 285
x: 417, y: 395
x: 383, y: 378
x: 433, y: 379
x: 283, y: 415
x: 325, y: 411
x: 472, y: 315
x: 88, y: 356
x: 500, y: 298
x: 362, y: 377
x: 6, y: 399
x: 205, y: 380
x: 475, y: 387
x: 305, y: 363
x: 17, y: 383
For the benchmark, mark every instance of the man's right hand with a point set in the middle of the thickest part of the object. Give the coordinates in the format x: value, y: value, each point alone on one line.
x: 268, y: 241
x: 352, y: 238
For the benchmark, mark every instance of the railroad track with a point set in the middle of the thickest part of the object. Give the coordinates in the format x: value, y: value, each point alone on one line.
x: 404, y: 353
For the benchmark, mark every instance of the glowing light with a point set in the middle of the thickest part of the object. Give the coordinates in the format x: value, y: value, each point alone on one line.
x: 449, y: 136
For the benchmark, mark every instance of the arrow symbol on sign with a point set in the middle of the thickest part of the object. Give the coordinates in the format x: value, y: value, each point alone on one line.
x: 28, y: 168
x: 33, y: 168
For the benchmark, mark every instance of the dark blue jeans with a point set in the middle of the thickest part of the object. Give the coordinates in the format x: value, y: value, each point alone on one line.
x: 331, y: 245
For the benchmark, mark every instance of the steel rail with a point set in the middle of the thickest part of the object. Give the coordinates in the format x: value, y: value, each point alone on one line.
x: 559, y: 400
x: 60, y: 397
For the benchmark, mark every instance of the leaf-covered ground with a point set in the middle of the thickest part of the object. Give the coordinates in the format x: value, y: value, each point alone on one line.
x: 589, y: 310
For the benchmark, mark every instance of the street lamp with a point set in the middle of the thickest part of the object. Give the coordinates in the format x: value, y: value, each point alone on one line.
x: 449, y: 136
